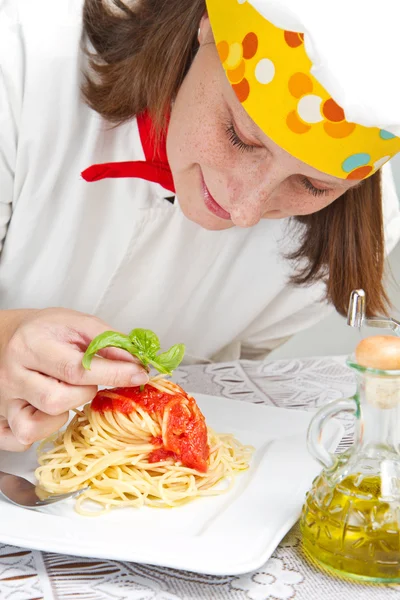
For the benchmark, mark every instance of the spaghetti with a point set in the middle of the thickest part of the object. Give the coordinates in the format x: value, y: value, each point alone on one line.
x: 136, y: 447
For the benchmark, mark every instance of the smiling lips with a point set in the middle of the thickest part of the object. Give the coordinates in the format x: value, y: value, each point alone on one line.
x: 213, y: 206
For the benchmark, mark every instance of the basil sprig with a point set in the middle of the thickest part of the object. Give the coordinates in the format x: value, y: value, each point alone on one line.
x: 142, y: 343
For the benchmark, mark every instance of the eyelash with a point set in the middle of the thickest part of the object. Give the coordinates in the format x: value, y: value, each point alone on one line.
x: 313, y: 190
x: 237, y: 142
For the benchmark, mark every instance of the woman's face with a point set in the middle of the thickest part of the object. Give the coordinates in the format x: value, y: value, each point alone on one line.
x: 227, y: 172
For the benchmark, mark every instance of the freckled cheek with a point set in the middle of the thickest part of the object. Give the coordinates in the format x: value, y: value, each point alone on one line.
x: 207, y: 143
x: 204, y: 145
x: 210, y: 148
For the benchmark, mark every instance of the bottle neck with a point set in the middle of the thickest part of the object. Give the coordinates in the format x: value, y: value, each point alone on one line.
x: 380, y: 412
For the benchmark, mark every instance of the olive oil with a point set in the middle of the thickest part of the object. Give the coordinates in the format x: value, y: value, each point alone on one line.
x: 351, y: 529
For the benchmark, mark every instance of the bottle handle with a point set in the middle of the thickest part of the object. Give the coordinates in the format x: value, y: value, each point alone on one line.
x: 315, y: 429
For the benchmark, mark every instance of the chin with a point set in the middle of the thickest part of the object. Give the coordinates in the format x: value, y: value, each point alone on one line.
x: 205, y: 219
x: 216, y: 226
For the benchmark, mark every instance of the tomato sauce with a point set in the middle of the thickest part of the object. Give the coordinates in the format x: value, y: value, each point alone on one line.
x: 185, y: 436
x: 160, y: 455
x: 125, y: 399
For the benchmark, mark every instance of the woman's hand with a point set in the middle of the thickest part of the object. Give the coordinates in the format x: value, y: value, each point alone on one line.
x: 41, y: 373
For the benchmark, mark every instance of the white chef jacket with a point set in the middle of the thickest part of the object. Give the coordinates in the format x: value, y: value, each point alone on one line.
x: 116, y: 248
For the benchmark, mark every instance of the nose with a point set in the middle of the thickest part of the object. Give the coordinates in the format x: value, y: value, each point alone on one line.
x: 246, y: 214
x: 249, y: 198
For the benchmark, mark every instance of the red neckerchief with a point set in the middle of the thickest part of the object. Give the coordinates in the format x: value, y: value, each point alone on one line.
x: 155, y: 168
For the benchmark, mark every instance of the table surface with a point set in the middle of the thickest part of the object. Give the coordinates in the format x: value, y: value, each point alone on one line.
x: 295, y: 384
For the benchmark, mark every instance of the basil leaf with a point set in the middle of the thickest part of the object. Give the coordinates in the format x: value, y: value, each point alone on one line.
x: 146, y: 341
x: 160, y: 368
x: 141, y: 343
x: 104, y: 340
x: 170, y: 360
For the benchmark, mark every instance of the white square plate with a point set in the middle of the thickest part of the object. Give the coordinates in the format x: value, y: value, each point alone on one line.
x: 224, y: 535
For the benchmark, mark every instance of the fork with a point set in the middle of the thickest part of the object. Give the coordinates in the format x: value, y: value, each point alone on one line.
x: 23, y: 493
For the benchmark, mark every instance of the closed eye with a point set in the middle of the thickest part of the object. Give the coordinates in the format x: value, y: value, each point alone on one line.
x: 237, y: 141
x: 312, y: 189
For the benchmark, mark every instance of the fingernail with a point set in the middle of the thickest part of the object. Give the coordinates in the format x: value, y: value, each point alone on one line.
x: 140, y: 378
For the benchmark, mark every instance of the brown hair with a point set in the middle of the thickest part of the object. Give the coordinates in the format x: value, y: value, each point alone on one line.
x: 344, y: 245
x: 140, y: 54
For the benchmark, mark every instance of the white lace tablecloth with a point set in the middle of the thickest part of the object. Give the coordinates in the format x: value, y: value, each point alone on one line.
x: 295, y: 384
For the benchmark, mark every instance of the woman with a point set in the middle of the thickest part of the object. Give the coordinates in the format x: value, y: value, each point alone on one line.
x: 230, y: 245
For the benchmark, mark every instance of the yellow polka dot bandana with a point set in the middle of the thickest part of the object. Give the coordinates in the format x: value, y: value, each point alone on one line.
x: 270, y: 73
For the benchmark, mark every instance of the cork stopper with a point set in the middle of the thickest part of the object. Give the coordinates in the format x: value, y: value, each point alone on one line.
x: 379, y: 352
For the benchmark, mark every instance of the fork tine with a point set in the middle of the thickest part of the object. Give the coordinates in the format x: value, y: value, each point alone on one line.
x: 22, y: 492
x: 58, y: 497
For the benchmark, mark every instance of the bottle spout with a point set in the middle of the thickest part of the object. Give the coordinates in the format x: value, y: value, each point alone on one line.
x: 356, y: 310
x: 356, y: 315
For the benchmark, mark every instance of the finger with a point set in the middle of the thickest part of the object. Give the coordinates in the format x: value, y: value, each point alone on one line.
x: 112, y: 373
x: 51, y: 396
x: 64, y: 363
x: 118, y: 354
x: 8, y: 441
x: 30, y: 425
